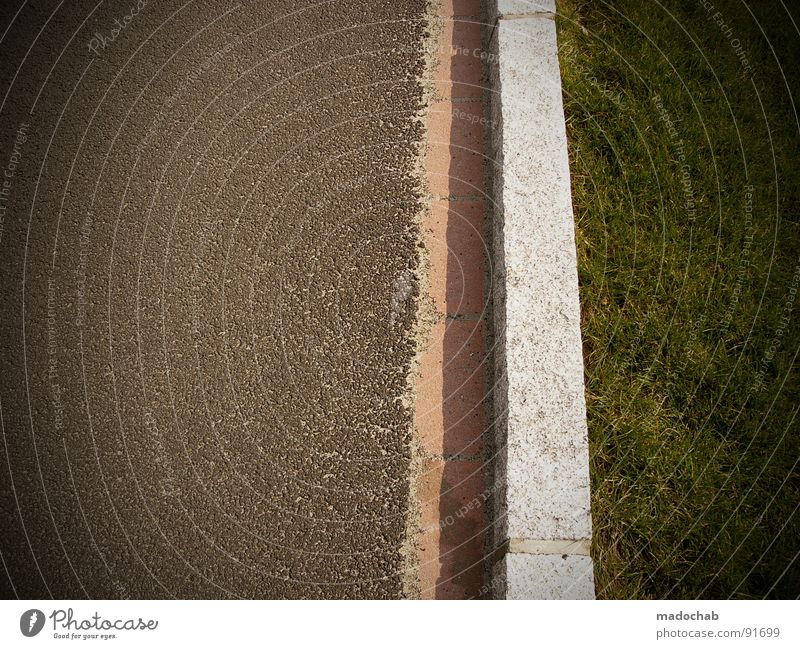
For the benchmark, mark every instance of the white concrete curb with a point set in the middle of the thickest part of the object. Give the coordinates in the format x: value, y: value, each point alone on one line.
x: 543, y: 509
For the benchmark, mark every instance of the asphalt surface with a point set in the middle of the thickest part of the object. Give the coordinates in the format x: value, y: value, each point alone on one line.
x: 207, y: 242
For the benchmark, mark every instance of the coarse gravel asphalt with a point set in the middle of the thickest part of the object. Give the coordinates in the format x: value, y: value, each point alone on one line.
x: 208, y: 240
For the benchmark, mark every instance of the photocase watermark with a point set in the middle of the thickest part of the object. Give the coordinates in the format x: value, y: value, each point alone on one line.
x: 194, y: 74
x: 475, y: 53
x: 445, y: 51
x: 10, y: 171
x: 83, y: 262
x: 495, y: 586
x: 744, y: 257
x: 52, y: 357
x: 689, y: 353
x: 478, y: 501
x: 590, y: 78
x: 168, y: 481
x: 679, y: 147
x: 121, y: 589
x: 31, y: 622
x: 472, y: 118
x: 781, y: 330
x: 727, y: 31
x: 103, y: 40
x: 66, y: 626
x: 702, y: 322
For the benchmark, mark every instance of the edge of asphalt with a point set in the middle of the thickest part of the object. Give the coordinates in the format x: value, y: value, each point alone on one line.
x: 424, y: 310
x: 543, y: 515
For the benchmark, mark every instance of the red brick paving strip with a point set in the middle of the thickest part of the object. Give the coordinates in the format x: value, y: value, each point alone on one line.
x: 451, y: 387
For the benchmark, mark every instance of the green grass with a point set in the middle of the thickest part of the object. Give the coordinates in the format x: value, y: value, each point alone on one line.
x: 690, y: 300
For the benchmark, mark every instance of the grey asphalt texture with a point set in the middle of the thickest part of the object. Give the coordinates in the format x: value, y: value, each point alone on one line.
x: 204, y: 348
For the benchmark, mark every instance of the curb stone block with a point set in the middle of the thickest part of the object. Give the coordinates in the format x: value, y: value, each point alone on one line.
x: 547, y: 576
x: 542, y: 469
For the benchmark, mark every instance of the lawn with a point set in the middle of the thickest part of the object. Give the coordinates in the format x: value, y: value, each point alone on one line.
x: 684, y: 143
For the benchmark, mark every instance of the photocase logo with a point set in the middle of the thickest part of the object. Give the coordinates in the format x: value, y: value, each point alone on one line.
x: 31, y: 622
